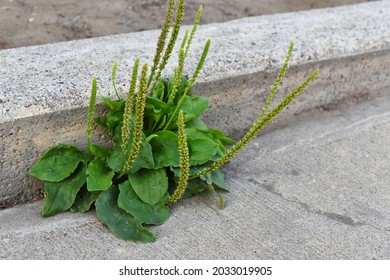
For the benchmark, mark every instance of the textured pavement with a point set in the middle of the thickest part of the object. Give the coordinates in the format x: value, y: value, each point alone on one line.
x: 314, y: 186
x: 44, y: 90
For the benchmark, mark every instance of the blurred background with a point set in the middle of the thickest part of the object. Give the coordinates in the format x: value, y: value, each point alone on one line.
x: 34, y: 22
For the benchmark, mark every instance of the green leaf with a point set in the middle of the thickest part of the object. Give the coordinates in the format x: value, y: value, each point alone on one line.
x: 57, y: 163
x: 165, y: 149
x: 114, y: 120
x: 99, y: 151
x: 217, y: 134
x: 150, y: 185
x: 61, y: 195
x: 84, y: 200
x: 114, y: 117
x: 154, y: 108
x: 194, y: 187
x: 144, y: 158
x: 115, y: 161
x: 114, y: 105
x: 197, y: 123
x: 202, y: 147
x: 192, y: 107
x: 129, y: 201
x: 99, y: 175
x: 219, y: 180
x: 150, y: 137
x: 102, y: 121
x: 160, y: 91
x: 119, y: 221
x: 216, y: 177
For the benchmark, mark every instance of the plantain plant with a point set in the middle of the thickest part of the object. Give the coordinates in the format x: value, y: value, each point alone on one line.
x: 161, y: 149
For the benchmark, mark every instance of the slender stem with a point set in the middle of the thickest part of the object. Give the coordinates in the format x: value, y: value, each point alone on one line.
x: 127, y: 115
x: 113, y: 75
x: 184, y: 160
x: 257, y: 127
x: 191, y: 82
x: 138, y: 122
x: 278, y: 80
x: 91, y: 111
x: 171, y: 42
x: 162, y: 39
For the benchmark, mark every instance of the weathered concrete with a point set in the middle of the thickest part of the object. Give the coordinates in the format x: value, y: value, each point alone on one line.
x: 318, y: 188
x: 39, y: 22
x: 44, y: 89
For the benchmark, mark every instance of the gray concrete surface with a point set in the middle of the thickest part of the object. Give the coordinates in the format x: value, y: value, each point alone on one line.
x: 44, y: 89
x: 55, y: 77
x: 316, y: 188
x: 36, y: 22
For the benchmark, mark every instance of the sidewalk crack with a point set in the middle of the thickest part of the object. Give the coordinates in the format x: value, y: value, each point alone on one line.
x: 340, y: 218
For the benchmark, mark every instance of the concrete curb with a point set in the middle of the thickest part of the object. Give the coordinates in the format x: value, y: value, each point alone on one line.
x: 44, y: 89
x: 316, y: 189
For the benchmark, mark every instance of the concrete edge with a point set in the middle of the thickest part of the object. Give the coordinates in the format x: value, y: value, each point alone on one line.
x: 316, y: 189
x: 53, y: 77
x: 236, y: 77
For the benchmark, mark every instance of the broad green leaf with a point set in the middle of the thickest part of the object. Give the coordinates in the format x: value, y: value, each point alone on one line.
x: 219, y: 137
x: 150, y: 137
x: 165, y: 149
x: 61, y: 195
x: 220, y: 152
x: 194, y: 187
x: 99, y: 175
x: 154, y: 108
x: 219, y: 179
x: 192, y: 107
x: 129, y: 201
x: 202, y: 147
x: 176, y: 171
x: 197, y: 123
x: 117, y: 134
x: 119, y: 221
x: 114, y: 116
x: 114, y: 120
x: 150, y: 185
x: 84, y: 200
x: 207, y: 178
x: 144, y: 158
x: 114, y: 105
x: 57, y: 163
x: 217, y: 134
x: 160, y: 90
x: 216, y: 177
x: 115, y: 161
x: 102, y: 121
x: 99, y: 151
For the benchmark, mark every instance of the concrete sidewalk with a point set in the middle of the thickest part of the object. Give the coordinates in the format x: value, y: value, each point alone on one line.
x: 318, y: 187
x: 44, y: 90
